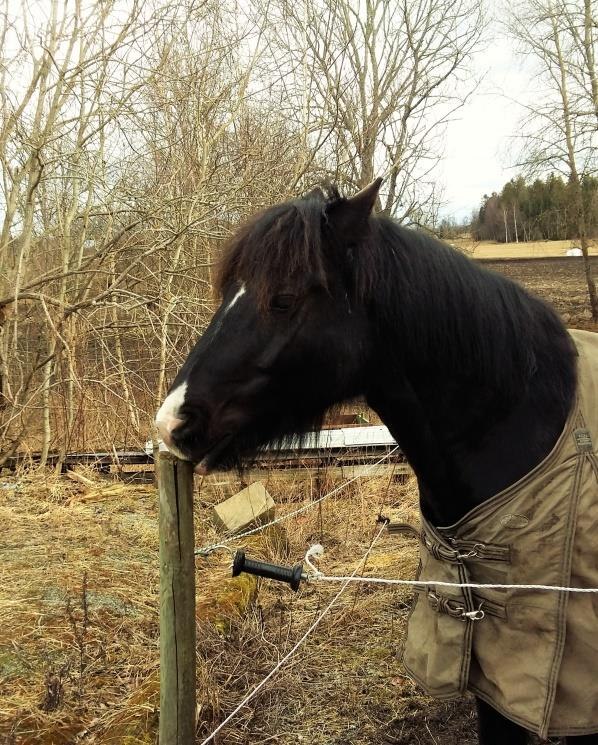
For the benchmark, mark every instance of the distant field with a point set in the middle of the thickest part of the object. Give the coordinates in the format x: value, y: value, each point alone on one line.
x: 537, y: 249
x: 559, y: 280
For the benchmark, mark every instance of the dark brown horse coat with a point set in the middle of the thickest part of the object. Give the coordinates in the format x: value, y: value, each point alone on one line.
x: 531, y: 654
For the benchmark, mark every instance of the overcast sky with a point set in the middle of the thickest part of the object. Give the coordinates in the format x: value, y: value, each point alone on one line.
x: 479, y: 145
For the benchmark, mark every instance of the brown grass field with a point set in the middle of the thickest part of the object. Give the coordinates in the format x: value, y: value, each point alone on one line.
x: 79, y: 621
x: 530, y: 250
x: 79, y: 606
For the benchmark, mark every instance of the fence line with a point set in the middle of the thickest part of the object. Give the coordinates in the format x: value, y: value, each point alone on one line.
x: 316, y: 576
x: 206, y: 550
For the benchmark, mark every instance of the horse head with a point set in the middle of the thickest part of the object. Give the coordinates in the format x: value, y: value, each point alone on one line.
x: 290, y: 338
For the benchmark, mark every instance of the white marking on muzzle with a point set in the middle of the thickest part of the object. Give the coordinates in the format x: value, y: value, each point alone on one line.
x: 168, y: 417
x: 171, y: 407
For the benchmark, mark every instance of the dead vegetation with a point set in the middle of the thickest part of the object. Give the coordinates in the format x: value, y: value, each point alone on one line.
x: 522, y: 250
x: 135, y: 137
x: 79, y: 621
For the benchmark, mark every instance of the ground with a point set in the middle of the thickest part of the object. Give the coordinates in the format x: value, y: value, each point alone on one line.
x: 560, y: 281
x: 79, y: 621
x: 79, y: 608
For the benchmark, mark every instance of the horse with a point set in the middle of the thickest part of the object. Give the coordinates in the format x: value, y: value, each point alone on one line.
x: 322, y: 301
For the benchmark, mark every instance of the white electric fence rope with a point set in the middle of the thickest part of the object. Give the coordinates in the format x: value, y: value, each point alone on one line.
x: 205, y: 550
x: 438, y: 583
x: 317, y: 550
x: 294, y: 649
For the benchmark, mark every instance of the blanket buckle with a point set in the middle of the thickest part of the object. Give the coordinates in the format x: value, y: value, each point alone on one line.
x: 453, y: 608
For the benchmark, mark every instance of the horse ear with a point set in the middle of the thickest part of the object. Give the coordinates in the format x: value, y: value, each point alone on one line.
x: 365, y: 199
x: 350, y: 216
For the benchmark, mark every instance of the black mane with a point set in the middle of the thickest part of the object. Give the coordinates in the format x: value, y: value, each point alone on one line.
x: 473, y: 375
x: 452, y: 311
x: 278, y: 246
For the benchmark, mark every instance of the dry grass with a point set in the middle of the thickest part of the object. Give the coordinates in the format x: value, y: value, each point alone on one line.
x: 78, y: 613
x: 531, y: 250
x: 79, y: 621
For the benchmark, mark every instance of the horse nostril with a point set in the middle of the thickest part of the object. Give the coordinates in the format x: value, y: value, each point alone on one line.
x: 166, y: 428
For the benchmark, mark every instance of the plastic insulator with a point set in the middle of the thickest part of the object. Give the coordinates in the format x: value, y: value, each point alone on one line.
x: 291, y: 575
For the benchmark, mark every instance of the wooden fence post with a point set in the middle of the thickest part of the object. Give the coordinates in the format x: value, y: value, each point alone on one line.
x: 177, y: 602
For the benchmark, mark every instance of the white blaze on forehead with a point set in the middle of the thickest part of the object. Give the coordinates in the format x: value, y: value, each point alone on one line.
x: 240, y: 292
x: 172, y: 404
x: 216, y: 325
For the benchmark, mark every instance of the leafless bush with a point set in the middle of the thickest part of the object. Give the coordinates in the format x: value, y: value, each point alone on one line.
x: 134, y: 137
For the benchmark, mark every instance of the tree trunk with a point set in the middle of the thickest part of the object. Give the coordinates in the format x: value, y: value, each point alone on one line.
x: 575, y: 181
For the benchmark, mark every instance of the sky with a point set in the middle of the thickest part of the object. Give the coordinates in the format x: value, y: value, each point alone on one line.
x: 479, y: 146
x: 480, y: 142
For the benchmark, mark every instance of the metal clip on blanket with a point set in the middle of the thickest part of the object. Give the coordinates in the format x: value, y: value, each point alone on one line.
x: 290, y: 575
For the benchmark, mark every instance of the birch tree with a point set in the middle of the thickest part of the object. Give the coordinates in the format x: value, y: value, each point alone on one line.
x: 375, y: 82
x: 132, y: 140
x: 562, y: 121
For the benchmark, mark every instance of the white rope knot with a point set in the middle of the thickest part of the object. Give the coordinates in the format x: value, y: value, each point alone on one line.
x: 314, y: 552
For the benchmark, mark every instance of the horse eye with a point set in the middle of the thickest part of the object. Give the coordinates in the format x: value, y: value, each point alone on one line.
x: 282, y: 302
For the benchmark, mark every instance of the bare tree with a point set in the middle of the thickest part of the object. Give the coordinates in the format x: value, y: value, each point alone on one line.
x: 133, y: 138
x: 70, y: 72
x: 374, y: 82
x: 130, y: 145
x: 561, y: 124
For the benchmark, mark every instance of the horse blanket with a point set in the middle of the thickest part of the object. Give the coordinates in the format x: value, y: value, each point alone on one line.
x: 531, y: 654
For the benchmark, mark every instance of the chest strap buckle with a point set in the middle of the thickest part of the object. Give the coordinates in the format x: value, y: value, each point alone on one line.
x: 442, y: 553
x: 453, y: 608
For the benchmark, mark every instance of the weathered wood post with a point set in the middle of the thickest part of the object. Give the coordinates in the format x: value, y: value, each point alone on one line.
x: 177, y: 602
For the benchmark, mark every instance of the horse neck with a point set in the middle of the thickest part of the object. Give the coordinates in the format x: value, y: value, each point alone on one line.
x: 468, y: 428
